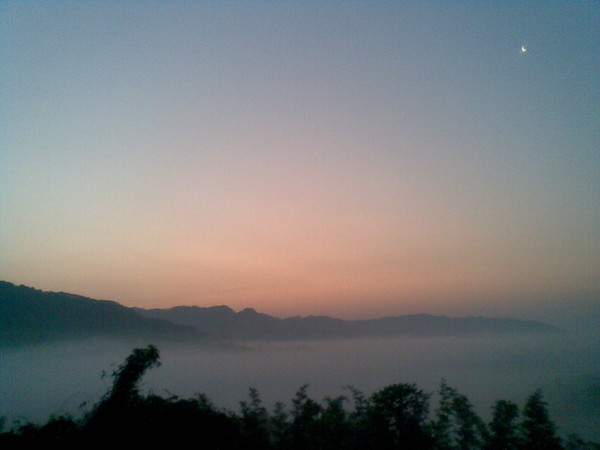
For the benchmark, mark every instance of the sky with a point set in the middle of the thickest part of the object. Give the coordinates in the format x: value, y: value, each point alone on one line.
x: 350, y: 158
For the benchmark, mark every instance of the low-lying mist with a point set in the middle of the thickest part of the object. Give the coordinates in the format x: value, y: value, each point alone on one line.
x: 56, y: 379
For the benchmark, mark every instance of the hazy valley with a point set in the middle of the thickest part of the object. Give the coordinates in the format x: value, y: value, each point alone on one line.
x: 56, y: 377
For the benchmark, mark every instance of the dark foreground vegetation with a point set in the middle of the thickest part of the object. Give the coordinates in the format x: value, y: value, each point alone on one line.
x: 395, y: 417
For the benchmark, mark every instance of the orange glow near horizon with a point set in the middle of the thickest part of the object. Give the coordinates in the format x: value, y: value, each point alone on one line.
x: 303, y: 158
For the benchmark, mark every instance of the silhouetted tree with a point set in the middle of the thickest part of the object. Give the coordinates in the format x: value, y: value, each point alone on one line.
x: 574, y: 442
x: 470, y: 431
x: 128, y: 374
x: 357, y: 419
x: 280, y: 427
x: 59, y: 433
x: 537, y: 430
x: 125, y: 416
x: 442, y: 425
x: 396, y: 418
x: 456, y: 425
x: 335, y: 430
x: 503, y: 427
x: 305, y: 415
x: 254, y: 421
x: 120, y: 411
x: 361, y: 403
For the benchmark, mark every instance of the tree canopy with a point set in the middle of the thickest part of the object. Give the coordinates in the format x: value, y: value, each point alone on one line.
x: 394, y: 417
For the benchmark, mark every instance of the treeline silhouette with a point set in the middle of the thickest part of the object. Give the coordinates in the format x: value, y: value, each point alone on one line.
x: 395, y: 417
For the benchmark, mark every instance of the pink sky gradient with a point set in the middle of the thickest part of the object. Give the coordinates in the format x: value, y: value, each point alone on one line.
x: 304, y: 158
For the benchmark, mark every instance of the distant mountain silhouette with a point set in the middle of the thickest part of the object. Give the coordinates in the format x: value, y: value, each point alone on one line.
x: 250, y: 325
x: 30, y: 316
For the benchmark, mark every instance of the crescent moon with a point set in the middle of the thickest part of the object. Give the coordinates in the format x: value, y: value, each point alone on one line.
x: 523, y: 49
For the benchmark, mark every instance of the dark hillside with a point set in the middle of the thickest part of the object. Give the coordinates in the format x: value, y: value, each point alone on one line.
x: 30, y: 316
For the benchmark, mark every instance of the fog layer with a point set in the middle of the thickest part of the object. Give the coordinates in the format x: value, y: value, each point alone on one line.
x: 57, y: 379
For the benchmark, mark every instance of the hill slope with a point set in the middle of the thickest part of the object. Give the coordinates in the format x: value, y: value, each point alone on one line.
x: 31, y: 316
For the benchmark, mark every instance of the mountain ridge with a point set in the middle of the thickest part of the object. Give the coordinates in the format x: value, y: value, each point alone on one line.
x: 30, y: 316
x: 248, y: 324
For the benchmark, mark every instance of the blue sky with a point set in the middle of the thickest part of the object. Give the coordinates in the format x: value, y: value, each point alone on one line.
x: 346, y: 158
